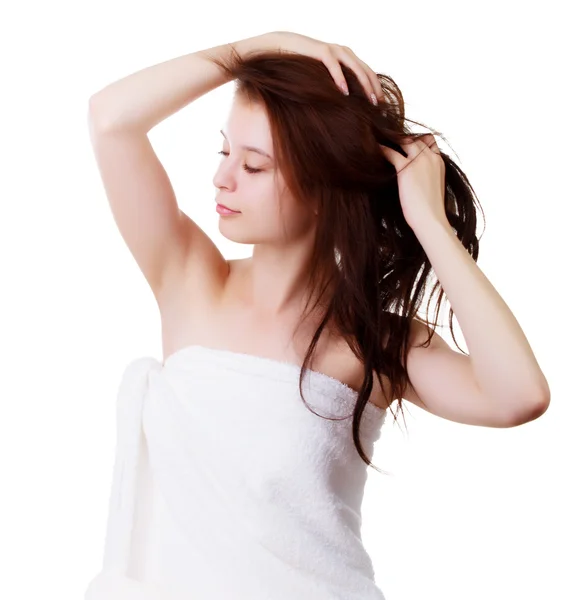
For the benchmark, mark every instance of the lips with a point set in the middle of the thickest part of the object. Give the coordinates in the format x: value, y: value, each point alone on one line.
x: 227, y: 207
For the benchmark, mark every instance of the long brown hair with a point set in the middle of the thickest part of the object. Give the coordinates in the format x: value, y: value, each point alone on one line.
x: 326, y: 147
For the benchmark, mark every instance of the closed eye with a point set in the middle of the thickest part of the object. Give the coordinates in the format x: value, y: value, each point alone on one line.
x: 245, y: 166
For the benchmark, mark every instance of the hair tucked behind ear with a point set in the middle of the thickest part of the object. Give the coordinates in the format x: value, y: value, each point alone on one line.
x: 326, y: 148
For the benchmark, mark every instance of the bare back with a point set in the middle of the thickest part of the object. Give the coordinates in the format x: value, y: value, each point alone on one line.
x: 220, y: 320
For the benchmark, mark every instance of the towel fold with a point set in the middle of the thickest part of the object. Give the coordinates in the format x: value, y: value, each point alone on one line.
x: 227, y: 487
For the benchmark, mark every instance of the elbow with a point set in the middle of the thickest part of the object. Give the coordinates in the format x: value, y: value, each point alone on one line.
x: 536, y: 406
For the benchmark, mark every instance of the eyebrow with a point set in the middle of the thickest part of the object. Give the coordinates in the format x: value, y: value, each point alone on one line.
x: 250, y: 148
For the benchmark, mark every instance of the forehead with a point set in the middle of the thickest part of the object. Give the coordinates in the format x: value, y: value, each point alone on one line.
x: 247, y: 124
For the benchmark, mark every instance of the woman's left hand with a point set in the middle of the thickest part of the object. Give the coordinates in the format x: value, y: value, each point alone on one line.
x: 421, y: 180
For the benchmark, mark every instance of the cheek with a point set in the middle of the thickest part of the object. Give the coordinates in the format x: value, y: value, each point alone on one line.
x: 296, y: 220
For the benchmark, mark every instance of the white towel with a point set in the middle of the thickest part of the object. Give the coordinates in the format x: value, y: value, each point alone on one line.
x: 227, y: 487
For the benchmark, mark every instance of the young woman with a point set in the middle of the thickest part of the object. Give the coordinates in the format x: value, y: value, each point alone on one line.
x: 230, y: 480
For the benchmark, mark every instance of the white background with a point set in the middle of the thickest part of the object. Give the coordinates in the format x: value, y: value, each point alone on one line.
x: 469, y: 512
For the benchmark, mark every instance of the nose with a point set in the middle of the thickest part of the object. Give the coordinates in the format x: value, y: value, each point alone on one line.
x: 224, y: 177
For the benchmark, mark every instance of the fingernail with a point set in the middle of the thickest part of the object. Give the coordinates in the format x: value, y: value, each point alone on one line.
x: 374, y: 99
x: 345, y: 89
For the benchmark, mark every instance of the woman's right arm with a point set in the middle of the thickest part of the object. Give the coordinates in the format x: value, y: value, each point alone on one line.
x: 143, y: 99
x: 164, y: 241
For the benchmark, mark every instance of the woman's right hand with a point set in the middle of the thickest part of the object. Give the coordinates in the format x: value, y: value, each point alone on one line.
x: 331, y: 55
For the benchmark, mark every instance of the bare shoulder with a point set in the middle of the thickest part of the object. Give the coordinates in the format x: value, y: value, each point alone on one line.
x: 195, y: 282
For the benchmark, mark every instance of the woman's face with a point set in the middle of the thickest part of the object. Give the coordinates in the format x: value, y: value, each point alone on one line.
x: 247, y: 181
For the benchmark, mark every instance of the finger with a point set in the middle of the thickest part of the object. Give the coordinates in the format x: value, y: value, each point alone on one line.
x: 333, y: 66
x: 410, y: 147
x: 373, y: 78
x: 347, y: 57
x: 414, y: 146
x: 398, y: 161
x: 429, y: 142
